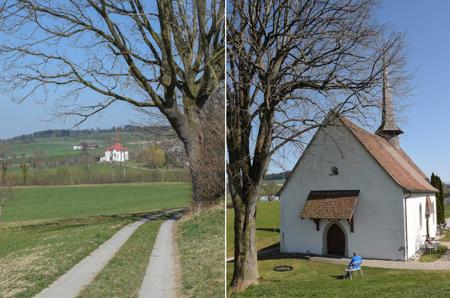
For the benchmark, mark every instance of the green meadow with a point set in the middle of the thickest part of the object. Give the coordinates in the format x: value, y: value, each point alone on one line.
x: 62, y: 202
x: 267, y: 222
x: 45, y: 231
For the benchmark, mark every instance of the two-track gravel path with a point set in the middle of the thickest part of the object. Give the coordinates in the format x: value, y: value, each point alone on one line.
x: 73, y: 281
x: 160, y: 278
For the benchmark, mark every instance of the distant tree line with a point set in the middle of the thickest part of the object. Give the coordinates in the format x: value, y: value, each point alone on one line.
x: 28, y: 138
x: 277, y: 176
x: 440, y: 205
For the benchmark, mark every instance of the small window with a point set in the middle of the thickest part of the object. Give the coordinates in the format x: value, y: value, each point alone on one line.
x: 420, y: 215
x: 334, y: 171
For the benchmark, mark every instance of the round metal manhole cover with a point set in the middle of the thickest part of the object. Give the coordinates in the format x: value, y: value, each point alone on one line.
x: 283, y: 268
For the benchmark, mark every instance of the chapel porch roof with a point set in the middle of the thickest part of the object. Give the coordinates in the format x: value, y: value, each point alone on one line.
x: 330, y: 204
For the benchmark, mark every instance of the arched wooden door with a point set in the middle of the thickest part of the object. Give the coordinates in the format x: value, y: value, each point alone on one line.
x: 335, y: 241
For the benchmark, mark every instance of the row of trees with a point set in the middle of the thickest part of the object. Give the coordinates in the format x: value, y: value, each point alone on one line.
x: 440, y: 204
x: 94, y: 175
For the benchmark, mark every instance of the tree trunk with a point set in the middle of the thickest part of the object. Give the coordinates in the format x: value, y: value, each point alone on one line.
x: 201, y: 129
x: 245, y: 252
x: 206, y: 165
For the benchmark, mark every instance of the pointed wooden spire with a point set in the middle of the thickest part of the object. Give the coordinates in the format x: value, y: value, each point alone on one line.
x: 388, y: 128
x: 117, y: 136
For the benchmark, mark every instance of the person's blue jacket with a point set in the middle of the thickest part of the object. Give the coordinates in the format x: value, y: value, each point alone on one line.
x: 355, y: 262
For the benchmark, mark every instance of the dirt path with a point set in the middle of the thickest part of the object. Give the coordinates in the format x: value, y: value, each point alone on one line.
x: 437, y: 265
x: 73, y: 281
x: 160, y: 278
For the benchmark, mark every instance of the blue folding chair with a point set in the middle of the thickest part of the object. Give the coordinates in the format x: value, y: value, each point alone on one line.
x: 354, y: 267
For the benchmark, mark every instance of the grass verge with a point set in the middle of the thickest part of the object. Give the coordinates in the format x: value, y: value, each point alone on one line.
x: 316, y: 279
x: 33, y: 256
x: 200, y: 242
x: 435, y: 255
x: 122, y: 277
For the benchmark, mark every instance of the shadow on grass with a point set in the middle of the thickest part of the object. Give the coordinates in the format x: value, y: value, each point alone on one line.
x: 338, y: 277
x: 68, y: 223
x: 276, y: 230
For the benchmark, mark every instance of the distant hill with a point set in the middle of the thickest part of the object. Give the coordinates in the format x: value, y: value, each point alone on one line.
x: 27, y: 138
x: 277, y: 176
x: 59, y: 143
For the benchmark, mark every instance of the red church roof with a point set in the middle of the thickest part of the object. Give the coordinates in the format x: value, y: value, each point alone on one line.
x: 117, y: 147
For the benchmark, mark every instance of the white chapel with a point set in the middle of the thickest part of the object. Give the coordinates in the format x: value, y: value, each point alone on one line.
x: 354, y: 190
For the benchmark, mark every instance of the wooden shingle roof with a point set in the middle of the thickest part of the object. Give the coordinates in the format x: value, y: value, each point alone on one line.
x: 334, y: 204
x: 394, y: 161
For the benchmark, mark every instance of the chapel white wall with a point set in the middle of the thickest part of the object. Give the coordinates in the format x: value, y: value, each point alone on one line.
x: 378, y: 221
x: 417, y: 232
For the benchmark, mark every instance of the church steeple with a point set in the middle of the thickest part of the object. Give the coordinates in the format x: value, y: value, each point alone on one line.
x: 388, y: 128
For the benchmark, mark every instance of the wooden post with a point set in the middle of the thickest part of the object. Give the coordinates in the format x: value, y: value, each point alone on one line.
x: 317, y: 221
x: 350, y: 221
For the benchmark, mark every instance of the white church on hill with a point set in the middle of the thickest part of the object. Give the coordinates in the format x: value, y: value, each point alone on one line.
x: 353, y: 190
x: 116, y: 152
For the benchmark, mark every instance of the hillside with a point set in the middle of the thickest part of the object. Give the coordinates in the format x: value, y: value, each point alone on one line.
x: 59, y: 143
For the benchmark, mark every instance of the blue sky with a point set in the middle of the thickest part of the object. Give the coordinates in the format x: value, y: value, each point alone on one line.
x: 426, y: 119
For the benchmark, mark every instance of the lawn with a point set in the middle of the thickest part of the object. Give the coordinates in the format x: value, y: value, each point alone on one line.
x: 315, y: 279
x: 267, y: 222
x: 447, y: 211
x: 33, y: 256
x: 435, y: 255
x: 38, y: 203
x: 123, y: 275
x: 200, y: 240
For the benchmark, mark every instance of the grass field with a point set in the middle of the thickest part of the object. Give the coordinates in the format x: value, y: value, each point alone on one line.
x: 33, y: 256
x: 44, y: 231
x: 315, y: 279
x: 200, y: 240
x: 268, y: 226
x: 123, y: 275
x: 63, y: 146
x: 38, y: 203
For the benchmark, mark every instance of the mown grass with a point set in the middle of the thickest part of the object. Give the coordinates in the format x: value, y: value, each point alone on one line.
x: 434, y: 255
x: 267, y: 222
x: 446, y: 236
x: 33, y: 256
x: 37, y: 203
x: 315, y: 279
x: 201, y: 247
x: 122, y: 277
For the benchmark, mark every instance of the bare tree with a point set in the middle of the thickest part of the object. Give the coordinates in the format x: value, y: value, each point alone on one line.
x: 5, y: 194
x: 166, y: 55
x: 6, y: 159
x: 290, y: 64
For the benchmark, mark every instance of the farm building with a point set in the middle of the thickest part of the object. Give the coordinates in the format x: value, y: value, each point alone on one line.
x: 86, y: 145
x: 353, y: 190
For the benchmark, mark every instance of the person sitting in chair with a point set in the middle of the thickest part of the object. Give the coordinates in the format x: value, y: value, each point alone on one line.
x: 355, y: 262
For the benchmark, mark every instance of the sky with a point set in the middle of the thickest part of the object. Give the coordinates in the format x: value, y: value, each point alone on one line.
x: 426, y: 121
x: 426, y: 118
